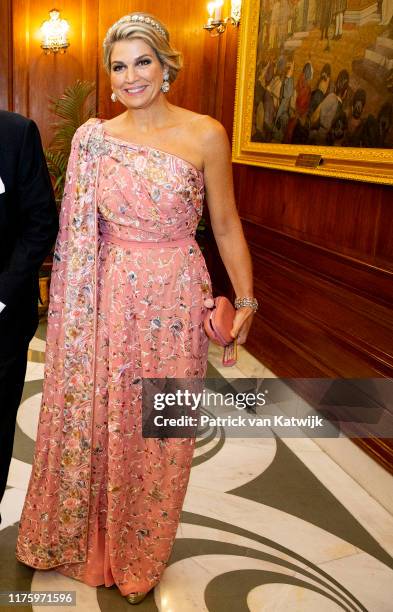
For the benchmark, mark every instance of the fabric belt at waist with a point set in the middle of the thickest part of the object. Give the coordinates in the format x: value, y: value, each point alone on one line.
x: 146, y: 244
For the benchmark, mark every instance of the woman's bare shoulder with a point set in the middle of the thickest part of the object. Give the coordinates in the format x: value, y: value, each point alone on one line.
x: 204, y: 128
x: 195, y: 121
x: 212, y: 138
x: 205, y: 135
x: 212, y: 129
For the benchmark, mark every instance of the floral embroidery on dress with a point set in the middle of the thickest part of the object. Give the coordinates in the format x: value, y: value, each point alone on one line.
x: 103, y: 503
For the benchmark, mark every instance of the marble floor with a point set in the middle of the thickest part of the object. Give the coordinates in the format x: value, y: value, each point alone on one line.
x: 268, y: 525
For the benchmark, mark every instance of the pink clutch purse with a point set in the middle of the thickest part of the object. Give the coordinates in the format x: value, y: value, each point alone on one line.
x: 218, y: 324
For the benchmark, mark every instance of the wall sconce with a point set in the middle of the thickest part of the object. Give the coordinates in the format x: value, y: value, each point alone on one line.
x: 216, y: 25
x: 54, y: 33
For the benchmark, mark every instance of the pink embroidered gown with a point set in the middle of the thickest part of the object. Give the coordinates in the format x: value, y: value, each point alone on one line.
x: 149, y: 323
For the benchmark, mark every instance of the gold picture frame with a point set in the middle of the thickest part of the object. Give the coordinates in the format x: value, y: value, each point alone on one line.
x: 347, y: 162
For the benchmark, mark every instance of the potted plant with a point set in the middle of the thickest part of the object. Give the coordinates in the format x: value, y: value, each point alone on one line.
x: 74, y: 107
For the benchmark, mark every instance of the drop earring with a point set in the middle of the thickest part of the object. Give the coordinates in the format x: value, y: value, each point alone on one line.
x: 113, y: 97
x: 165, y: 87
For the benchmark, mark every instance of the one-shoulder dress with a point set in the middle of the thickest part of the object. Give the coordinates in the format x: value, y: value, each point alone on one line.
x: 152, y: 283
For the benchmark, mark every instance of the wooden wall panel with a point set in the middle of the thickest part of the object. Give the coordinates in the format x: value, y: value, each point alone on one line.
x: 384, y: 238
x: 331, y: 321
x: 336, y: 214
x: 357, y: 276
x: 340, y: 243
x: 5, y: 54
x: 37, y: 76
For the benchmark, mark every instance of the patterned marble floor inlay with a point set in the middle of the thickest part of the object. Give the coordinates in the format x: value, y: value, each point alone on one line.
x: 268, y: 525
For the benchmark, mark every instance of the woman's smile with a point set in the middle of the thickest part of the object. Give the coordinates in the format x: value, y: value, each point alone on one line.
x: 135, y: 90
x: 136, y: 72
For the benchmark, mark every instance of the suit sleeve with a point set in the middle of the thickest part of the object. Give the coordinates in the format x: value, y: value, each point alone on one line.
x: 38, y: 219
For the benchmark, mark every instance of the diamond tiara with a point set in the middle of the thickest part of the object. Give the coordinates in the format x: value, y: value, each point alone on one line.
x: 138, y: 19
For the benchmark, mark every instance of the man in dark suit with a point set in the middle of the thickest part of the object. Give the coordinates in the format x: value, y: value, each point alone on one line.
x: 28, y: 227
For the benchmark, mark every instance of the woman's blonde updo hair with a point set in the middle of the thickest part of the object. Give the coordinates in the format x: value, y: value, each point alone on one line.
x: 149, y: 29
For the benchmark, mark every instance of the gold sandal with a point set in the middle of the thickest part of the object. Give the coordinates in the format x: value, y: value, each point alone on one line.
x: 136, y: 598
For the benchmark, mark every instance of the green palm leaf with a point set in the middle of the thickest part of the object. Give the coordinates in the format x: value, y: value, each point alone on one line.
x: 57, y: 166
x: 72, y: 109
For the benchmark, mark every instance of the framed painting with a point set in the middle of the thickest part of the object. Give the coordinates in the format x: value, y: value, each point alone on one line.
x: 315, y: 87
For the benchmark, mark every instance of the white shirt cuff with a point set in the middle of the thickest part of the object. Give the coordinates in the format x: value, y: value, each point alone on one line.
x: 2, y: 306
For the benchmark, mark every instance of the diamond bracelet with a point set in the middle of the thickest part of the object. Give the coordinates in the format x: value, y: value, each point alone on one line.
x: 246, y: 301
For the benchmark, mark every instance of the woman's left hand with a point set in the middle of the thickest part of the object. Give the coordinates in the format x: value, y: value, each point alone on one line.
x: 242, y: 323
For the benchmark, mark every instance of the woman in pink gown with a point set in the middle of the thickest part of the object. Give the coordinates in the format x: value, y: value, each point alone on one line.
x: 128, y: 293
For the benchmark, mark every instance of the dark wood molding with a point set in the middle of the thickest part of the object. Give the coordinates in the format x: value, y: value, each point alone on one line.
x: 6, y: 81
